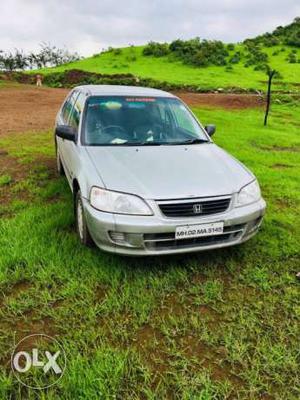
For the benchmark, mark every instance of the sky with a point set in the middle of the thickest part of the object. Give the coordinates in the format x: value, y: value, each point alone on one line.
x: 88, y: 26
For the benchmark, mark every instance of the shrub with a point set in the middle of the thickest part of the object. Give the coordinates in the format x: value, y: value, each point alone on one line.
x: 117, y: 52
x: 200, y: 53
x: 156, y: 49
x: 270, y: 41
x: 230, y: 47
x: 261, y: 67
x: 291, y: 58
x: 294, y: 39
x: 131, y: 58
x: 235, y: 59
x: 255, y: 56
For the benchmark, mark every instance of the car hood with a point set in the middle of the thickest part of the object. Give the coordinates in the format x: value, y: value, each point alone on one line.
x: 169, y: 172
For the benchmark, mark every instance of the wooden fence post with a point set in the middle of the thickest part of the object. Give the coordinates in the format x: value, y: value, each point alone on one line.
x: 271, y: 73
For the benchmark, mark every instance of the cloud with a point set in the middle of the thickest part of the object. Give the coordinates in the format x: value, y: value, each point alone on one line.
x: 88, y: 26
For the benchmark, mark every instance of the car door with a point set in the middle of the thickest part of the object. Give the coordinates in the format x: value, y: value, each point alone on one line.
x: 71, y: 149
x: 63, y: 119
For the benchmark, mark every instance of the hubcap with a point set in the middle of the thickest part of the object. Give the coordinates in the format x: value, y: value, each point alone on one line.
x: 80, y: 218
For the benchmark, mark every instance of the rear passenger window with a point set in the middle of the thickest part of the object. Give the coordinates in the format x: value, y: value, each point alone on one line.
x: 77, y: 110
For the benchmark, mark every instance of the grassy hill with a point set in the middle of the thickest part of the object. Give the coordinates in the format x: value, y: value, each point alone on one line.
x: 243, y: 65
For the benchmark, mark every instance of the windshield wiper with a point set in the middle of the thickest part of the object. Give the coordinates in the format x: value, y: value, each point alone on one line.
x: 191, y: 141
x: 142, y: 144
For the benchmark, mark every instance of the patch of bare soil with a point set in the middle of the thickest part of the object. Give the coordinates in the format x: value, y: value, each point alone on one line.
x: 26, y: 326
x: 172, y: 306
x: 222, y: 100
x: 281, y: 166
x: 100, y: 293
x: 210, y: 360
x: 291, y: 149
x: 19, y: 287
x: 28, y: 108
x: 151, y: 343
x: 284, y: 203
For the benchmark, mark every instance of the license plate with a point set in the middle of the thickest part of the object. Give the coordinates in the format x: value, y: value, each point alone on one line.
x: 193, y: 231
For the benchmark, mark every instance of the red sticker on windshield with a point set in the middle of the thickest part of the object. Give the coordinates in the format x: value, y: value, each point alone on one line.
x: 141, y: 99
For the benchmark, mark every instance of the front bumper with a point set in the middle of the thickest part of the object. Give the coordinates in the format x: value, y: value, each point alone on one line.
x: 155, y: 235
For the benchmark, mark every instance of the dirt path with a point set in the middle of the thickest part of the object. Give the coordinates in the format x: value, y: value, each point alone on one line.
x: 222, y: 100
x: 27, y: 108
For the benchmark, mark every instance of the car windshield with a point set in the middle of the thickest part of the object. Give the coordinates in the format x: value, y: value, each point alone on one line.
x: 141, y: 121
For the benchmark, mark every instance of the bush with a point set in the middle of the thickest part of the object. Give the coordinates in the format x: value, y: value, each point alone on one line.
x: 235, y: 59
x: 200, y: 53
x: 156, y: 49
x: 117, y: 52
x: 261, y: 67
x: 294, y: 39
x: 291, y: 58
x: 255, y: 56
x: 131, y: 58
x: 270, y: 41
x: 230, y: 47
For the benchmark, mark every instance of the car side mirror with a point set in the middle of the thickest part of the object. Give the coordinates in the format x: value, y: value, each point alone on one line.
x: 210, y: 129
x: 66, y: 132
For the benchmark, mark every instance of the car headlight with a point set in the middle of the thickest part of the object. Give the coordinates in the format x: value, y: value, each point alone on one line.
x: 118, y: 203
x: 248, y: 194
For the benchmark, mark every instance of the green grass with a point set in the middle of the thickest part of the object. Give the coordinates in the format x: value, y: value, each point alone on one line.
x: 5, y: 180
x: 8, y: 84
x: 131, y: 60
x: 213, y: 325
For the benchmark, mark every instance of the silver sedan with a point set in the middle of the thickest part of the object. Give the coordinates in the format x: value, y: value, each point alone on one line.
x: 146, y: 177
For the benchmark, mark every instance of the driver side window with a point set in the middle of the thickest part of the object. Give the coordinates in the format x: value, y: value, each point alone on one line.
x: 77, y: 110
x: 66, y: 110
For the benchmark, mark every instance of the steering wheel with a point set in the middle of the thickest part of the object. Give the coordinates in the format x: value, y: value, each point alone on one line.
x: 143, y: 131
x: 119, y: 127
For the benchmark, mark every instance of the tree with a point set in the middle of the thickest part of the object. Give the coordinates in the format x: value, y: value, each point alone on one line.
x: 47, y: 56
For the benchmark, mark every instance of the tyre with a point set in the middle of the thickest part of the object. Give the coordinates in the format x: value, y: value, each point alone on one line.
x: 81, y: 225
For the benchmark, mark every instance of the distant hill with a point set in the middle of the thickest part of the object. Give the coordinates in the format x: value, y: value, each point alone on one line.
x: 284, y: 35
x: 207, y: 64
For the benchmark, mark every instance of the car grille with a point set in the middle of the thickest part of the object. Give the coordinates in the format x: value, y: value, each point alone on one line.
x: 165, y: 241
x: 194, y: 208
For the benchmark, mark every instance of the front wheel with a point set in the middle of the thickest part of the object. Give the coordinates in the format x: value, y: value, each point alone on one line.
x: 81, y: 225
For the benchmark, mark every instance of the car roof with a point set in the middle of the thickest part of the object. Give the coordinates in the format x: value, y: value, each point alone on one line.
x: 118, y: 90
